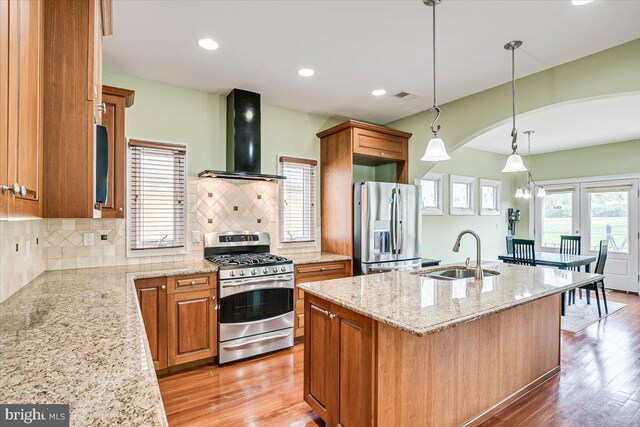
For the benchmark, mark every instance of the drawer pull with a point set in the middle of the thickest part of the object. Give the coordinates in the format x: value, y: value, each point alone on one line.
x: 381, y: 153
x: 163, y: 287
x: 193, y: 283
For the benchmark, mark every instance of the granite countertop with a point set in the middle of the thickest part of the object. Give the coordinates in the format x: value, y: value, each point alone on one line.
x: 77, y: 337
x: 316, y: 257
x: 422, y: 305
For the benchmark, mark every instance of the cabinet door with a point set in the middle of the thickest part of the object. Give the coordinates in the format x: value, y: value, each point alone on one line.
x: 319, y: 357
x: 4, y: 103
x: 113, y: 120
x: 353, y: 342
x: 95, y: 59
x: 24, y: 150
x: 192, y: 326
x: 376, y: 144
x: 152, y: 297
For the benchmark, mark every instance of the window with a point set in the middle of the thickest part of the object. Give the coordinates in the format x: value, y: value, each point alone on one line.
x: 297, y: 200
x: 557, y: 216
x: 156, y: 212
x: 609, y: 218
x: 432, y: 194
x: 462, y: 195
x: 490, y: 196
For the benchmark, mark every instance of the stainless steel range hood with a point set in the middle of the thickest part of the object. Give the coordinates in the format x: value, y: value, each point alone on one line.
x: 243, y: 139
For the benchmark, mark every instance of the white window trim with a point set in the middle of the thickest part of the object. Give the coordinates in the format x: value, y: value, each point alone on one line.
x: 162, y: 251
x: 439, y: 180
x: 316, y: 233
x: 469, y: 180
x: 498, y: 187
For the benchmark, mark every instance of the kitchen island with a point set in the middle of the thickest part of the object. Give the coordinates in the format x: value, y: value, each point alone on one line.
x: 406, y: 349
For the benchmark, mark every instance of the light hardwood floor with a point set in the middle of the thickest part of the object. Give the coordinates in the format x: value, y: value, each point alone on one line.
x: 599, y: 385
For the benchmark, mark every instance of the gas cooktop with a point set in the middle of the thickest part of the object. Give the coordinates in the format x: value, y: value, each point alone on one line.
x: 246, y: 260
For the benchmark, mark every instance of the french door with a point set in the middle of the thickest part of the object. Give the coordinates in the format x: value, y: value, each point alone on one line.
x: 596, y: 210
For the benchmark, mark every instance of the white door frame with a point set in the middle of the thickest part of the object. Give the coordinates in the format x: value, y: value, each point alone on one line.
x: 534, y: 207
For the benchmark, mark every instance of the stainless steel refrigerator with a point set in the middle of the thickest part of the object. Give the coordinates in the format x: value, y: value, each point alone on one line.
x: 386, y: 225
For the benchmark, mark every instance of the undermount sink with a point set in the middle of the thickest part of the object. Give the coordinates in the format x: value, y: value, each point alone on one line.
x: 459, y: 273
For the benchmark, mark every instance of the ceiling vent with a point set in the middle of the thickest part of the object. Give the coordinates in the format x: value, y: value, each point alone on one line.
x: 406, y: 96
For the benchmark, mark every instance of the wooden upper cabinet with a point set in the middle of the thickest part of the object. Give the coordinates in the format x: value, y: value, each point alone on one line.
x: 21, y: 69
x: 72, y: 102
x: 379, y: 145
x: 115, y: 101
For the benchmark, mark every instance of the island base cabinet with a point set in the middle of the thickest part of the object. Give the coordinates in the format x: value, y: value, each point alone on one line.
x: 339, y: 351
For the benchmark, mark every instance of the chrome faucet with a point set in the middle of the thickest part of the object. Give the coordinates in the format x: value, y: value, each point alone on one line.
x: 456, y: 248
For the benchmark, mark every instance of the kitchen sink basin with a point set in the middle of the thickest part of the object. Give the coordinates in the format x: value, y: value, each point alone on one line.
x: 458, y: 273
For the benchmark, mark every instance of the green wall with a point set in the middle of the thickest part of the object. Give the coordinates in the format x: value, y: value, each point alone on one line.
x: 616, y: 70
x: 170, y: 113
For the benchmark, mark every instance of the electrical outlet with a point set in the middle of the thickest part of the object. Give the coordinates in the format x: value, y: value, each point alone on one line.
x: 195, y: 237
x: 88, y: 239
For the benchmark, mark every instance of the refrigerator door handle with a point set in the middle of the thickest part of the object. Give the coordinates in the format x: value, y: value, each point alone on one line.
x: 400, y: 207
x: 392, y: 226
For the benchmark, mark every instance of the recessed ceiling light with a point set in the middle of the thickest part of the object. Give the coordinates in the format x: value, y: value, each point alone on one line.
x: 378, y: 92
x: 306, y: 72
x: 580, y: 2
x: 208, y: 44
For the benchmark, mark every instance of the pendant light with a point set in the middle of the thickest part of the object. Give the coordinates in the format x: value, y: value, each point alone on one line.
x: 526, y: 192
x: 514, y: 161
x: 436, y: 150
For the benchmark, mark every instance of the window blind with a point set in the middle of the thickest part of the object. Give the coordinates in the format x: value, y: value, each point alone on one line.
x: 297, y: 200
x: 157, y: 196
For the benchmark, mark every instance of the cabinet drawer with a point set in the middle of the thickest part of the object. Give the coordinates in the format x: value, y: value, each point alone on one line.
x: 317, y: 271
x: 299, y: 326
x: 380, y: 145
x: 191, y: 283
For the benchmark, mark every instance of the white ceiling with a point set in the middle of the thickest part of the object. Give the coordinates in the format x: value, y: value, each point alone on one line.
x: 356, y: 46
x: 568, y: 125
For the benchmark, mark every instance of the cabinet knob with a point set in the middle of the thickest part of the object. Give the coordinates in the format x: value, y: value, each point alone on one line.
x: 332, y: 316
x: 102, y: 108
x: 322, y: 269
x: 120, y: 209
x: 213, y: 298
x: 381, y: 153
x: 163, y: 287
x: 15, y: 189
x: 193, y: 282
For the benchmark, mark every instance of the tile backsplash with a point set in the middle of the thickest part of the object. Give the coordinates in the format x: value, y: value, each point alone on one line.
x: 214, y: 205
x: 22, y: 254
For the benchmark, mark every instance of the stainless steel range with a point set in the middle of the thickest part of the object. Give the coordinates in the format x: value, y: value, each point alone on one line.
x: 255, y: 295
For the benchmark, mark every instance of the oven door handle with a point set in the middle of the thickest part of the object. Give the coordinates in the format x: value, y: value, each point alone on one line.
x: 254, y: 281
x: 248, y: 343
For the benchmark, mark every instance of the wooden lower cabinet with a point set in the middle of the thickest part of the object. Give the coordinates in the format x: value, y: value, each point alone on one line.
x: 315, y: 272
x: 339, y: 352
x: 152, y: 297
x: 193, y: 326
x: 181, y: 326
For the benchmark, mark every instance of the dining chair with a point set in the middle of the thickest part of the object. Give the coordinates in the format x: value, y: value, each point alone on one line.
x: 602, y: 260
x: 524, y: 252
x: 571, y: 245
x: 509, y: 245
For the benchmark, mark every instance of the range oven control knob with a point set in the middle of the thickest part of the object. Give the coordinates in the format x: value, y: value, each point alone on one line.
x: 283, y: 268
x: 233, y: 273
x: 265, y: 270
x: 253, y: 271
x: 242, y: 272
x: 275, y: 269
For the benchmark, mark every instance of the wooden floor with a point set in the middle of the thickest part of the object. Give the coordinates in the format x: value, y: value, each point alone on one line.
x: 599, y: 385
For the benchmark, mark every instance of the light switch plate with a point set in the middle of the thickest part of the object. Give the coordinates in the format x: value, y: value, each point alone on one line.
x: 88, y: 239
x: 195, y: 237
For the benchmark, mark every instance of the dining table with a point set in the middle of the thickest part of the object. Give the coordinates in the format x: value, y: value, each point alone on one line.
x: 561, y: 261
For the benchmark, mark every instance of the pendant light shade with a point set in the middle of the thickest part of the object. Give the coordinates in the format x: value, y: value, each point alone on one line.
x: 541, y: 192
x: 436, y: 150
x: 514, y: 164
x: 519, y: 193
x: 526, y: 194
